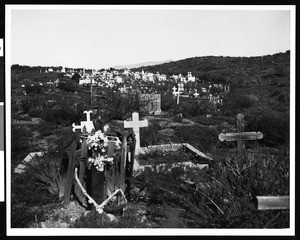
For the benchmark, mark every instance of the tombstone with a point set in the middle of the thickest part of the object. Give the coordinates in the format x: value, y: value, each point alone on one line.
x: 136, y: 125
x: 240, y: 136
x: 153, y: 103
x: 180, y: 87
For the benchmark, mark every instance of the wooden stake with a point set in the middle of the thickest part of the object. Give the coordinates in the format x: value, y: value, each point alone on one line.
x: 271, y: 202
x: 69, y: 176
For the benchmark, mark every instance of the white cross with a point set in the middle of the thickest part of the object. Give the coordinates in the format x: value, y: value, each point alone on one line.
x: 176, y: 93
x: 174, y: 90
x: 88, y: 124
x: 136, y: 125
x: 196, y: 94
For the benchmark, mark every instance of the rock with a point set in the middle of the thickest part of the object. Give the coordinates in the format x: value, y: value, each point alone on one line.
x: 43, y: 225
x: 111, y: 217
x: 143, y: 219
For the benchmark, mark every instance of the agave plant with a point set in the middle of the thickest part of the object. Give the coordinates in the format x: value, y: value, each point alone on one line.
x: 46, y: 171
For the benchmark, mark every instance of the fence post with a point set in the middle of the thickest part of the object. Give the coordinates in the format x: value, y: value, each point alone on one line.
x: 70, y: 174
x: 123, y: 162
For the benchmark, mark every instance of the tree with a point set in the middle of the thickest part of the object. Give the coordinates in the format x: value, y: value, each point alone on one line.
x: 76, y: 77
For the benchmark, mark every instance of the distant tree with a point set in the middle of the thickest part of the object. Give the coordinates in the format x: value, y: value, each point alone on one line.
x: 67, y: 86
x: 33, y: 89
x: 76, y: 77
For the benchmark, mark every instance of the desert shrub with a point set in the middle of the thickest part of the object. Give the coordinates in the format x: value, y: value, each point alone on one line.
x: 33, y: 89
x: 234, y: 103
x: 34, y: 112
x: 273, y: 125
x: 167, y: 102
x: 68, y: 86
x: 45, y: 170
x: 149, y: 135
x: 19, y: 143
x: 64, y: 115
x: 27, y: 200
x: 202, y: 138
x: 191, y: 108
x: 120, y: 106
x: 223, y: 196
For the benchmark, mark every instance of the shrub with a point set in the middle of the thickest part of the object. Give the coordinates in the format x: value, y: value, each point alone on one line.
x: 120, y: 106
x: 235, y: 103
x: 35, y: 113
x: 273, y: 125
x: 46, y: 171
x: 19, y: 143
x: 222, y: 196
x: 67, y: 86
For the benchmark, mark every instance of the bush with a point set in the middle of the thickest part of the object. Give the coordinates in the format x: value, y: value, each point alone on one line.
x: 19, y: 143
x: 223, y: 196
x: 273, y: 125
x: 45, y: 170
x: 67, y: 86
x: 35, y: 113
x: 64, y: 115
x: 202, y: 138
x: 192, y: 108
x: 234, y: 103
x: 120, y: 106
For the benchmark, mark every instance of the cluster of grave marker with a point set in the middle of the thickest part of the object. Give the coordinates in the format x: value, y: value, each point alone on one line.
x: 98, y: 185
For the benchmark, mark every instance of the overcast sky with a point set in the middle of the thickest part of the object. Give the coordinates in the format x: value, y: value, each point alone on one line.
x: 101, y: 38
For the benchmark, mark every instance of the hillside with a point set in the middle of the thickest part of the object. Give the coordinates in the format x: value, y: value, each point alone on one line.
x: 144, y: 64
x: 264, y: 80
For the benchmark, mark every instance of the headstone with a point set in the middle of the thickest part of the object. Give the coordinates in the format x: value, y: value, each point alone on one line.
x: 136, y: 125
x: 153, y: 103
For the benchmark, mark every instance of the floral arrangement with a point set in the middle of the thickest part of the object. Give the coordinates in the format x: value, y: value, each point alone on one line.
x: 98, y: 143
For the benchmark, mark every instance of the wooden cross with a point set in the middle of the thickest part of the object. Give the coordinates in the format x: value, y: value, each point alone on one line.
x: 240, y: 136
x: 136, y: 125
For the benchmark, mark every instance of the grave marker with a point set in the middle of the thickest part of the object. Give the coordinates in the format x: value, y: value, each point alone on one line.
x: 196, y: 94
x: 136, y: 125
x: 85, y: 126
x: 240, y: 136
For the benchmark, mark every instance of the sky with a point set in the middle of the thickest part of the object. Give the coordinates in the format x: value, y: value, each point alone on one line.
x: 103, y: 38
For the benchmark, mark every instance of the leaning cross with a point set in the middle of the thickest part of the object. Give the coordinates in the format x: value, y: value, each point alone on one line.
x: 136, y: 125
x: 240, y: 136
x: 85, y: 126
